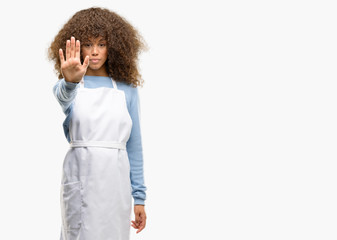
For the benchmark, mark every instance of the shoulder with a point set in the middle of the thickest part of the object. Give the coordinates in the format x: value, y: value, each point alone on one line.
x: 130, y: 91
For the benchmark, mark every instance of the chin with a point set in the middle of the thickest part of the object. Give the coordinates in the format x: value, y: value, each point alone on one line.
x: 95, y: 68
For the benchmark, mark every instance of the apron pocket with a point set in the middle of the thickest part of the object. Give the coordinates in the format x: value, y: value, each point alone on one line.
x: 71, y: 204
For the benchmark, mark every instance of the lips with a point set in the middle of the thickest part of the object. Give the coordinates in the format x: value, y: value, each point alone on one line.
x: 94, y: 60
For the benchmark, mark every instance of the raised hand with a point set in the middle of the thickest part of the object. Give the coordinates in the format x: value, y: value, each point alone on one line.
x: 71, y: 67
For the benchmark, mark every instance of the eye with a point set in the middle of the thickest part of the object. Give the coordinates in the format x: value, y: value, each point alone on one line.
x: 102, y: 44
x: 87, y: 44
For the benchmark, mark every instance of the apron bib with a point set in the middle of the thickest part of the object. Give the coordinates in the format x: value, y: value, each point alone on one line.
x: 95, y: 196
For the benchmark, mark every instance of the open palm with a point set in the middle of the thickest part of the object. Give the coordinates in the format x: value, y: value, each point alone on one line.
x: 71, y: 67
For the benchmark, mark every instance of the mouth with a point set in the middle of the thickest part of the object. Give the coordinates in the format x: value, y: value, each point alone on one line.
x: 94, y: 60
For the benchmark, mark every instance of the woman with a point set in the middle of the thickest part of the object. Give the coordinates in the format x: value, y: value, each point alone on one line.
x: 95, y: 55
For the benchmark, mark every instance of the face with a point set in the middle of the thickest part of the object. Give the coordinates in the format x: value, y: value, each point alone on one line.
x: 96, y: 49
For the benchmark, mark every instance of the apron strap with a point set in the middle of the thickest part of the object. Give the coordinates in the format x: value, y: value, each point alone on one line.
x: 114, y: 84
x: 81, y: 83
x: 104, y: 144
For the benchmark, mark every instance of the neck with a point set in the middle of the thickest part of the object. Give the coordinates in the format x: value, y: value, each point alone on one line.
x: 100, y: 72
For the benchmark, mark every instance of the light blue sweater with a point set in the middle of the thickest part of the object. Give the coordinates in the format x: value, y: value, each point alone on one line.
x: 65, y: 93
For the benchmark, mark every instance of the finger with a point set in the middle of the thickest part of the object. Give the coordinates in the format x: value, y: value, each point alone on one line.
x: 61, y: 56
x: 86, y: 62
x: 141, y: 227
x: 134, y: 223
x: 72, y: 47
x: 68, y: 50
x: 137, y: 220
x: 78, y: 46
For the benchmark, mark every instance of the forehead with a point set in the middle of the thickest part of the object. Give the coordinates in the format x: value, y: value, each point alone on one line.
x: 96, y: 39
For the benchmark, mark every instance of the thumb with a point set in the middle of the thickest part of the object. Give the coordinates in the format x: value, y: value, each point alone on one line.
x: 86, y: 62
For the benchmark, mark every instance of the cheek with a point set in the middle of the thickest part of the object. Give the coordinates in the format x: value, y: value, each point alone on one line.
x: 106, y: 54
x: 84, y: 53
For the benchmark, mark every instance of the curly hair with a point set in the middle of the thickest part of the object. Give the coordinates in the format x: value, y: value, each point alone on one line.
x: 124, y: 42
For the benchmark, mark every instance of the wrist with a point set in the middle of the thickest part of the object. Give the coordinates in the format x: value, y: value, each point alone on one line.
x: 70, y: 85
x: 139, y: 201
x: 71, y: 81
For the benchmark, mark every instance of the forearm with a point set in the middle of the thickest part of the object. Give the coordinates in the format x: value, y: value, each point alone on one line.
x: 137, y: 177
x: 65, y: 93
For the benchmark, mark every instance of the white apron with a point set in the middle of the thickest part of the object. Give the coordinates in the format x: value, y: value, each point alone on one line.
x: 96, y: 193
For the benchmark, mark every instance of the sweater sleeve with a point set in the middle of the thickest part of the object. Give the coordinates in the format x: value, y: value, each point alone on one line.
x: 135, y: 152
x: 65, y: 93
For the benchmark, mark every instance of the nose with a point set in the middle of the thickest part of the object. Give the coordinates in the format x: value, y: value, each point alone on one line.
x: 94, y: 50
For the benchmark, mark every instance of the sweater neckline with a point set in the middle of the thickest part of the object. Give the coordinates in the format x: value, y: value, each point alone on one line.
x: 97, y: 81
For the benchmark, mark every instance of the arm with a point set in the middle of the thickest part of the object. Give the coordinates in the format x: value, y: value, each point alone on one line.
x: 73, y: 71
x: 65, y: 93
x: 135, y: 152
